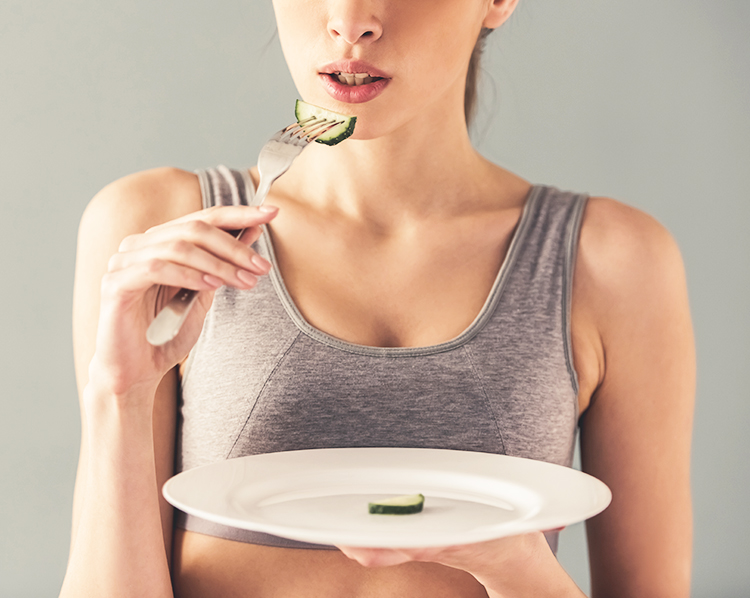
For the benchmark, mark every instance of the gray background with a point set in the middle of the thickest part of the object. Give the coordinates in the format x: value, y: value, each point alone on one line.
x: 644, y: 101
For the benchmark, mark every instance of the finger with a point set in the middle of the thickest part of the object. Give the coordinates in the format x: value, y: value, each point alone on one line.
x: 228, y: 217
x: 144, y: 275
x: 203, y: 235
x: 375, y: 557
x: 183, y: 253
x: 250, y: 235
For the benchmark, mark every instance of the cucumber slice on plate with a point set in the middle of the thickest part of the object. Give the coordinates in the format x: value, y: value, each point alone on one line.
x: 398, y: 505
x: 337, y: 134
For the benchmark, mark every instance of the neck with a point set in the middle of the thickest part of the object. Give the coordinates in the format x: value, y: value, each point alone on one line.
x: 426, y: 168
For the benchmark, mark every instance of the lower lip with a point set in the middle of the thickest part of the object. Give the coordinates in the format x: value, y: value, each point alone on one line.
x: 352, y: 94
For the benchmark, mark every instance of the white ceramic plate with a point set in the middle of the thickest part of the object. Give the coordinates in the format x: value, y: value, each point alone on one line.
x: 321, y: 496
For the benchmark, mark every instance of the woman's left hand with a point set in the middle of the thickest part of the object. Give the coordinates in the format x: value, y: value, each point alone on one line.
x: 468, y: 557
x: 520, y: 565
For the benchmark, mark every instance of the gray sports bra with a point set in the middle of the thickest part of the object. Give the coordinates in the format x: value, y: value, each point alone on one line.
x: 262, y: 379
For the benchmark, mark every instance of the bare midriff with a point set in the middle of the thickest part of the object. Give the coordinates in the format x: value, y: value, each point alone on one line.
x: 208, y: 567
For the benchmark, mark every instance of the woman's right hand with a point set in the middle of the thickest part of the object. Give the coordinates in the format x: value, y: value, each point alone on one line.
x: 194, y: 252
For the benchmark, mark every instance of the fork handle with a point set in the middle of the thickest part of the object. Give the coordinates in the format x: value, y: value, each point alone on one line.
x: 263, y: 188
x: 169, y: 320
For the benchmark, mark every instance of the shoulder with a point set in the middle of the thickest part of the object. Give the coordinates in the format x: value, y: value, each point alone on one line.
x: 141, y: 200
x: 629, y: 276
x: 626, y: 252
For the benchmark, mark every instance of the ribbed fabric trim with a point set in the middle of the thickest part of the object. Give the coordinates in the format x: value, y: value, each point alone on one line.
x: 234, y: 189
x: 197, y: 525
x: 473, y: 329
x: 206, y: 194
x: 571, y: 250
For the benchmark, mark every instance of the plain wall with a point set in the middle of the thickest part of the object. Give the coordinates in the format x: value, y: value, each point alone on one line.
x: 643, y: 101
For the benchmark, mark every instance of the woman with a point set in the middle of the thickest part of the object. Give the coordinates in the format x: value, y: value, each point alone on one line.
x: 386, y: 245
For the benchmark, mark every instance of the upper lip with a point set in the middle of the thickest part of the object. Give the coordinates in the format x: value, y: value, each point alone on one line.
x: 353, y: 66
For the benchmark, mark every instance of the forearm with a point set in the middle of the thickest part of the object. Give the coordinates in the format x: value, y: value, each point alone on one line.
x: 548, y: 581
x: 118, y: 550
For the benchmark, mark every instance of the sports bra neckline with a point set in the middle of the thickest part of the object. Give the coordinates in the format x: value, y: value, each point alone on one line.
x: 470, y: 332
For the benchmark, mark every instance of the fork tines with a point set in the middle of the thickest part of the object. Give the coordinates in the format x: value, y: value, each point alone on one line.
x: 311, y: 127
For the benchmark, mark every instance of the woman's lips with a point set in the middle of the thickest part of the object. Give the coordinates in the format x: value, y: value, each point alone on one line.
x: 352, y: 94
x: 353, y: 66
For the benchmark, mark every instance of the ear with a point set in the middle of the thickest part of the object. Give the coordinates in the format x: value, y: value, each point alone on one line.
x: 498, y: 12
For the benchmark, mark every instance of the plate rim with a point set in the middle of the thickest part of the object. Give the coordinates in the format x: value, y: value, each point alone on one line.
x: 599, y: 493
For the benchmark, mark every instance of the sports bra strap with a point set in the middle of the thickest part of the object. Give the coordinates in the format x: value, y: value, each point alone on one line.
x: 222, y: 186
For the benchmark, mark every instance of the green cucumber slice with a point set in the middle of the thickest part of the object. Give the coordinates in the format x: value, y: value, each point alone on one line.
x: 398, y: 505
x: 337, y: 134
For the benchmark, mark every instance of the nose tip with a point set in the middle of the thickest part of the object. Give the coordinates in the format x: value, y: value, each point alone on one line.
x: 354, y: 29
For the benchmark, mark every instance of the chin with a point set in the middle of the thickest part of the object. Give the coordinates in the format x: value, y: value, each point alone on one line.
x: 375, y: 119
x: 365, y: 133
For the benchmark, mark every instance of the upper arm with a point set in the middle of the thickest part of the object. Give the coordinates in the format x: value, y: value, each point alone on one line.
x: 636, y: 432
x: 127, y: 206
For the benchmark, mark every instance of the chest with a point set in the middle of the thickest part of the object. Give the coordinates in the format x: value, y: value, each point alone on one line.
x: 411, y: 291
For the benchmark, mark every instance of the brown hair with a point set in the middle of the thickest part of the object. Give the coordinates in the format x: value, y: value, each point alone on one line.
x: 472, y: 77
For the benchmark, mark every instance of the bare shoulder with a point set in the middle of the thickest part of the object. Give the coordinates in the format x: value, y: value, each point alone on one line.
x: 139, y: 201
x: 627, y: 257
x: 144, y: 199
x: 629, y: 292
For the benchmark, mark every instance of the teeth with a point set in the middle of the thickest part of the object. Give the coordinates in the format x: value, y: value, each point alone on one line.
x: 354, y: 78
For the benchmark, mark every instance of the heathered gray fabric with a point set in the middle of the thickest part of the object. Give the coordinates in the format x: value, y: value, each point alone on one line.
x: 261, y: 379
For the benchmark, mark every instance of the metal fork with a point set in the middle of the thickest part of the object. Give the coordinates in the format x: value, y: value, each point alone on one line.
x: 275, y: 158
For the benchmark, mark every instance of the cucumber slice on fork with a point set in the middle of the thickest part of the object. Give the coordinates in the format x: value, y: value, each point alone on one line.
x: 344, y: 124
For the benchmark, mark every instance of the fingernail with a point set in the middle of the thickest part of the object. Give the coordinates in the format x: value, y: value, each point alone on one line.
x: 246, y: 277
x: 212, y: 281
x: 261, y: 263
x: 268, y: 209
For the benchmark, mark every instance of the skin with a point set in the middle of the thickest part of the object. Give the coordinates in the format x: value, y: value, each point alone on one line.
x: 347, y: 215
